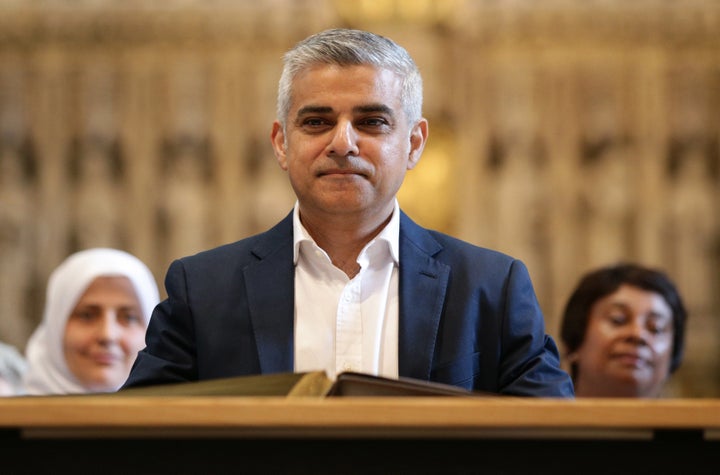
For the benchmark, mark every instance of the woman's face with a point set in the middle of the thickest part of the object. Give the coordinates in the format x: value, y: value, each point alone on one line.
x: 628, y: 345
x: 104, y: 332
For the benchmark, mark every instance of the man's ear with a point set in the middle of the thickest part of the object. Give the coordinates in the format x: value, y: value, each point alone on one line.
x: 277, y: 138
x: 418, y: 138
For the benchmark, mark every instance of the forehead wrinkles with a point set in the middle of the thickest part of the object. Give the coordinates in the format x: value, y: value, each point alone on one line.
x: 320, y: 84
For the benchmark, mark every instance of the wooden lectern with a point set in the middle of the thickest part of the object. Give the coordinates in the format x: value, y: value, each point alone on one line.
x: 136, y: 434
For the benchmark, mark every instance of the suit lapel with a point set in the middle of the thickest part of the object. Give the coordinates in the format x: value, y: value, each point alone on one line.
x: 270, y: 286
x: 423, y: 283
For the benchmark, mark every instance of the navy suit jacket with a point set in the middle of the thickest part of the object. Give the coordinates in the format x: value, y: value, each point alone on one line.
x: 469, y: 316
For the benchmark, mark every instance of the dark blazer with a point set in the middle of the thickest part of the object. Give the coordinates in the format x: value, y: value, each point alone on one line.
x: 469, y: 316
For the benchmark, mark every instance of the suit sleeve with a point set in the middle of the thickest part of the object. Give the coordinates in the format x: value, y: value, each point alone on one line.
x: 169, y: 353
x: 530, y: 363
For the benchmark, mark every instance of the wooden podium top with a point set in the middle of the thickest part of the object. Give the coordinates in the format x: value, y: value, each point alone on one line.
x: 358, y: 435
x: 351, y: 416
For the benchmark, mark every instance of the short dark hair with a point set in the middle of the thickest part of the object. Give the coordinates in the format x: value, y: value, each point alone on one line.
x: 601, y: 282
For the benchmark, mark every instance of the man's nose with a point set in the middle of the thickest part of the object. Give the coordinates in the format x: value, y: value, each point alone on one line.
x: 344, y: 140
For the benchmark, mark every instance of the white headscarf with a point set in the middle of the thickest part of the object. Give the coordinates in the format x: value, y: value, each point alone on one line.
x: 47, y: 371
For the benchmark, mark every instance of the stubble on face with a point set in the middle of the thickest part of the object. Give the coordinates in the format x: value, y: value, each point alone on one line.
x: 348, y: 143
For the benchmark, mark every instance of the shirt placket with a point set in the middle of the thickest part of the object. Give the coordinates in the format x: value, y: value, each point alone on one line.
x: 349, y: 331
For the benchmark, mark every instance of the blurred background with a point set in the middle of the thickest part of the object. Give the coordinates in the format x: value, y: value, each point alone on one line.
x: 569, y: 134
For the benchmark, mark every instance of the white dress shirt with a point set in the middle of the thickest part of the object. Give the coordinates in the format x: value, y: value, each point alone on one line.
x: 344, y: 324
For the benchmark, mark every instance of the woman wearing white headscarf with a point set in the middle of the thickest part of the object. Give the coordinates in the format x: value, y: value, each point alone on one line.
x: 97, y: 308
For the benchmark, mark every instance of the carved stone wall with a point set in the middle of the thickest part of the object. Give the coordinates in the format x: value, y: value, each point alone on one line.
x: 569, y: 134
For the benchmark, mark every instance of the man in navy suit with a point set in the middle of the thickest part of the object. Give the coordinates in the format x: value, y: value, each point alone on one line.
x: 347, y: 281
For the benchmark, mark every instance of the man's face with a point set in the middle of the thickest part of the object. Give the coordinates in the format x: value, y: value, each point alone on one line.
x: 628, y: 344
x: 348, y: 143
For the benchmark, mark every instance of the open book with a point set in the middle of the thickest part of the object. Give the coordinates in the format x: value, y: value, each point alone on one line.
x: 309, y: 384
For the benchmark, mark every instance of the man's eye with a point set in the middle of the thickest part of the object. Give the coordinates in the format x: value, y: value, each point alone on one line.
x: 314, y: 122
x: 374, y: 121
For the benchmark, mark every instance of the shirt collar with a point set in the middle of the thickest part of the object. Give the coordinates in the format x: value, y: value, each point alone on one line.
x: 390, y: 234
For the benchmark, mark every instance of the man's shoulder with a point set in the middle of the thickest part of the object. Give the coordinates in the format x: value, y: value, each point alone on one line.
x: 471, y: 253
x: 439, y: 243
x: 257, y: 245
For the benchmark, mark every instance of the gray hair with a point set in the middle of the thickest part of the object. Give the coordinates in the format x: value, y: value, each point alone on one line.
x: 345, y: 47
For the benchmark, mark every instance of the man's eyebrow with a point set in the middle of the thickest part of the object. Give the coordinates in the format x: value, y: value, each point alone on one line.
x: 313, y: 110
x: 364, y: 109
x: 374, y: 108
